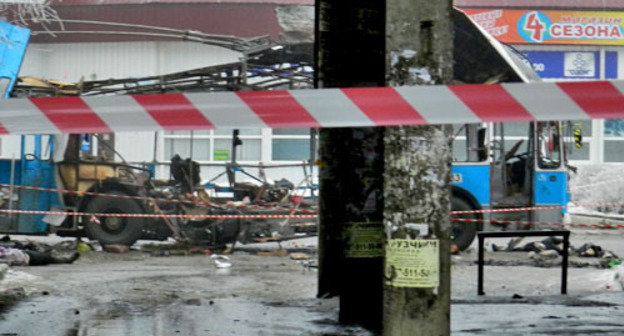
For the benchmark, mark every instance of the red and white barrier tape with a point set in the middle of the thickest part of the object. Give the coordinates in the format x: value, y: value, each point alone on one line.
x: 507, y: 222
x: 545, y: 207
x: 94, y: 215
x: 315, y: 108
x: 163, y: 200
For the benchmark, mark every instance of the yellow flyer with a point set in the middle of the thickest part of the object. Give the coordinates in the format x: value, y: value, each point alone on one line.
x: 364, y: 240
x: 412, y: 263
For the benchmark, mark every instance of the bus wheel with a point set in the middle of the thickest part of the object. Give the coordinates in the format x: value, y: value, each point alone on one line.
x: 463, y: 233
x: 114, y: 230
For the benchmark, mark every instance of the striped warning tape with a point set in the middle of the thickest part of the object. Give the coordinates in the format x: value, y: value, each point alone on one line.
x: 507, y: 222
x: 163, y: 200
x: 545, y: 207
x: 315, y: 108
x: 135, y: 215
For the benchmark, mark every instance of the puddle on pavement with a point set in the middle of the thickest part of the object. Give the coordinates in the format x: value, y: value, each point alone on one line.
x: 535, y: 319
x: 232, y: 316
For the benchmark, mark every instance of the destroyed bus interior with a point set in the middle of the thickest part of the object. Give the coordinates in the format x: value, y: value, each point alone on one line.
x: 84, y: 174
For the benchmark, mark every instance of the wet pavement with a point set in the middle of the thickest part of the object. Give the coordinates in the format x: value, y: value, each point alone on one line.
x: 139, y: 294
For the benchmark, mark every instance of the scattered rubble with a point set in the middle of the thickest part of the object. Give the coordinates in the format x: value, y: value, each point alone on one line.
x: 117, y: 248
x: 299, y: 256
x: 546, y: 253
x: 221, y: 261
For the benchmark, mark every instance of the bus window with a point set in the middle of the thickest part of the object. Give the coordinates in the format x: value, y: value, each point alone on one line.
x: 469, y: 143
x: 4, y: 86
x: 549, y: 145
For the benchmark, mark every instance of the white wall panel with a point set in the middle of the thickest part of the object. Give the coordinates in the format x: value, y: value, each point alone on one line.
x: 91, y: 61
x: 135, y: 146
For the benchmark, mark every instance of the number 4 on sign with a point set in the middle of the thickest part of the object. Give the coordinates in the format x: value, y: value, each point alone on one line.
x: 534, y: 24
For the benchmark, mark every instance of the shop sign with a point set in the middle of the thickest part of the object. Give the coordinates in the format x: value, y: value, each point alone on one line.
x: 560, y: 64
x: 551, y: 27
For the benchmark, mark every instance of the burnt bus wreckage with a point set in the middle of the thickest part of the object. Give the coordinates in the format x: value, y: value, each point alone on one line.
x: 179, y: 207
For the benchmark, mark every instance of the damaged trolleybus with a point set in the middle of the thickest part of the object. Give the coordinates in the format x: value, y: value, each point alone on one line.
x: 502, y: 165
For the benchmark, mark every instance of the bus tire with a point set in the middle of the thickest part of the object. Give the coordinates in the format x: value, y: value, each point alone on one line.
x: 113, y: 230
x: 463, y: 233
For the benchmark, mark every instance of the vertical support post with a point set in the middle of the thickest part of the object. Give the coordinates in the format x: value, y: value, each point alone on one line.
x: 480, y: 265
x: 564, y: 263
x: 350, y: 53
x: 419, y: 43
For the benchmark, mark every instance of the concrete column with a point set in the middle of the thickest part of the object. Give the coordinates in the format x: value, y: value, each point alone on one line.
x: 417, y: 166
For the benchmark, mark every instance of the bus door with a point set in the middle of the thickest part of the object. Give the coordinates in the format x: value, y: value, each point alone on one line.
x: 512, y: 164
x: 551, y: 176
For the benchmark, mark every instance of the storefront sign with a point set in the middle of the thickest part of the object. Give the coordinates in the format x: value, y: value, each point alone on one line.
x: 551, y: 27
x: 560, y: 64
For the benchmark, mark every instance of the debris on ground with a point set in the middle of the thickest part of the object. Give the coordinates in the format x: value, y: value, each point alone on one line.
x: 10, y: 297
x: 221, y: 261
x: 299, y: 256
x: 83, y: 247
x: 552, y: 247
x: 277, y: 253
x: 117, y: 248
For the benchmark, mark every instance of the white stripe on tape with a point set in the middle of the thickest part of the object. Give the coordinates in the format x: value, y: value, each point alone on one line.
x: 21, y: 116
x: 545, y: 101
x: 437, y: 104
x: 330, y: 107
x: 225, y: 110
x: 122, y: 113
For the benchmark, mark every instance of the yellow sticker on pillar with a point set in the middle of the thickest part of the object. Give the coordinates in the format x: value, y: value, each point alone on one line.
x: 412, y: 263
x: 363, y: 239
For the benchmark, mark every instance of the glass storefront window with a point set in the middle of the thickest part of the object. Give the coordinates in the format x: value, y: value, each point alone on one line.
x: 242, y: 131
x: 182, y: 147
x: 614, y: 128
x: 292, y: 131
x: 613, y: 151
x: 575, y: 153
x: 291, y: 149
x: 250, y: 150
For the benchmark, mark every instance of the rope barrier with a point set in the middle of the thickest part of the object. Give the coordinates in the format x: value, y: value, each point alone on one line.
x: 134, y: 215
x: 164, y: 200
x: 545, y: 207
x: 506, y: 222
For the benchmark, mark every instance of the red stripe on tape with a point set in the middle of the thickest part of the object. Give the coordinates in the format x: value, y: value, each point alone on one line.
x: 597, y: 99
x: 278, y: 109
x: 173, y: 112
x: 491, y: 103
x: 71, y: 115
x: 384, y: 106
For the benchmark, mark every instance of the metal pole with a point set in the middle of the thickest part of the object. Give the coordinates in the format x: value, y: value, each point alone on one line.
x: 12, y: 182
x: 564, y: 263
x: 480, y: 265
